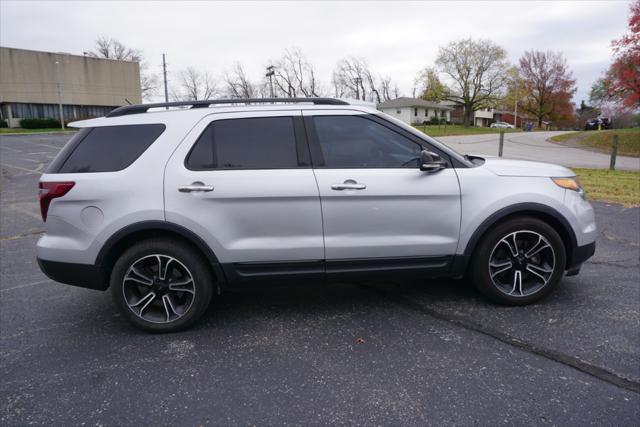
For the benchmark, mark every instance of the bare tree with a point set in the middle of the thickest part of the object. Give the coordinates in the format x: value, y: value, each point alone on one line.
x: 294, y: 75
x: 195, y: 85
x: 353, y: 78
x: 111, y: 48
x: 238, y: 84
x: 371, y: 80
x: 386, y: 88
x: 477, y: 70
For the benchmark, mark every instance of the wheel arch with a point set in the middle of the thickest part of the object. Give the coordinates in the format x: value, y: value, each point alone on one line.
x: 536, y: 210
x: 125, y: 237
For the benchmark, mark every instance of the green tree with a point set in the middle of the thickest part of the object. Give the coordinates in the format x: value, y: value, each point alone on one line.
x: 429, y: 87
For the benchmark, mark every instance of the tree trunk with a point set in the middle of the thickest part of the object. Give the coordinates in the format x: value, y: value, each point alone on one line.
x: 466, y: 116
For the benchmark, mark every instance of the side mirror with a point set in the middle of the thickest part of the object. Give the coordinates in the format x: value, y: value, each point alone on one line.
x: 431, y: 162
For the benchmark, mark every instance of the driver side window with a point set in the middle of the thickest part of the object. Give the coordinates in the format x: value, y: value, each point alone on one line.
x: 357, y: 142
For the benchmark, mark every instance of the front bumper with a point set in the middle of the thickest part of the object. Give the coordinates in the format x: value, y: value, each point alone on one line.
x: 578, y: 256
x: 82, y: 275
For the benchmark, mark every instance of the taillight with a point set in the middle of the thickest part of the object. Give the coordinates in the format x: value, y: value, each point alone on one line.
x: 50, y: 191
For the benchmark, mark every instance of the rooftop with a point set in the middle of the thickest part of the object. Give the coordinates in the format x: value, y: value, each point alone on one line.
x: 413, y: 102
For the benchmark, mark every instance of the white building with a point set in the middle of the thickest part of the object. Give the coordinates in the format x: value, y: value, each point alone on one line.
x: 415, y: 111
x: 483, y: 117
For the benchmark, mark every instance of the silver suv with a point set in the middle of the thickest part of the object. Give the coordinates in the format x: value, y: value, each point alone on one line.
x: 167, y: 204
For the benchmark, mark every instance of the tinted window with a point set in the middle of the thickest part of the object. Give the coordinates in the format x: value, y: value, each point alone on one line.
x: 68, y: 148
x: 357, y: 142
x: 251, y: 143
x: 106, y: 149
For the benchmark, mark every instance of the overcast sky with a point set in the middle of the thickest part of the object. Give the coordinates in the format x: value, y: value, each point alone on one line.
x: 396, y: 38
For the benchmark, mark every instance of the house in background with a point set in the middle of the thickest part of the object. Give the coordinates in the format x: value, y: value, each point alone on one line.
x: 481, y: 118
x: 508, y: 116
x: 414, y: 111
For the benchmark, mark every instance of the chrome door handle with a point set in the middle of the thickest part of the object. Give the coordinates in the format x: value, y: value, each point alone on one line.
x: 196, y: 186
x: 349, y: 184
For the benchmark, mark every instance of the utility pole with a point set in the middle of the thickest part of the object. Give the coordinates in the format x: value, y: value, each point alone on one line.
x: 270, y: 74
x: 164, y: 73
x: 515, y: 114
x: 358, y: 80
x: 59, y: 87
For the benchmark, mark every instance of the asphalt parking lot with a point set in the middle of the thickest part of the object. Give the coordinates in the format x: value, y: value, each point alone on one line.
x: 410, y: 353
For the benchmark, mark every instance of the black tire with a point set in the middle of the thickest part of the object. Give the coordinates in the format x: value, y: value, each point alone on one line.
x: 524, y: 228
x: 186, y: 302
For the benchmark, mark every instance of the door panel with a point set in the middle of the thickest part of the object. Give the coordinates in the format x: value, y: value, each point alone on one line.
x: 401, y: 212
x: 250, y: 215
x: 381, y: 212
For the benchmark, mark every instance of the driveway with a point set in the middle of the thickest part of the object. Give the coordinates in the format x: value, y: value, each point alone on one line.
x: 533, y: 146
x: 395, y: 353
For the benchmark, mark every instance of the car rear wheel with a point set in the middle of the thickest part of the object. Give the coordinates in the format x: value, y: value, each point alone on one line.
x: 519, y: 261
x: 161, y: 285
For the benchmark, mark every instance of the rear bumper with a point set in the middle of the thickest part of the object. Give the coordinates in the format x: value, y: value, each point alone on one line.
x: 578, y: 256
x: 82, y: 275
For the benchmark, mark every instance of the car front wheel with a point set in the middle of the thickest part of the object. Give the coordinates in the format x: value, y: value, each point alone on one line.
x: 519, y: 261
x: 161, y: 285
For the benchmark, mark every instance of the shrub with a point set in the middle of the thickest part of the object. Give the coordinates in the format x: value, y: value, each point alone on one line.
x: 39, y: 123
x: 3, y: 124
x: 434, y: 121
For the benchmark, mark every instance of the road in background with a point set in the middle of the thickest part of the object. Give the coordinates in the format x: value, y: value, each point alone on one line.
x: 534, y: 146
x: 405, y: 353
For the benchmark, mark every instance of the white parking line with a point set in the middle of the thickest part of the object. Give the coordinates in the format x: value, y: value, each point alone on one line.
x: 26, y: 285
x: 22, y: 169
x: 17, y: 208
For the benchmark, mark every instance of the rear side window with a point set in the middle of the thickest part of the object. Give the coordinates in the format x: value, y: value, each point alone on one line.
x: 251, y: 143
x: 105, y: 149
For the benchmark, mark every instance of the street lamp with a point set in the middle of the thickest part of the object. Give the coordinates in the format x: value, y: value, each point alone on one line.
x: 59, y: 87
x: 270, y: 74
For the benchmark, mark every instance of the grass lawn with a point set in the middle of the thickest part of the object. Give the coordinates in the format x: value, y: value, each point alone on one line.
x: 451, y: 130
x: 46, y: 130
x: 611, y: 186
x: 628, y: 145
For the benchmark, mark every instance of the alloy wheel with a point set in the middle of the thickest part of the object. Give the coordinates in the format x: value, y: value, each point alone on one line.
x: 521, y: 263
x: 158, y: 288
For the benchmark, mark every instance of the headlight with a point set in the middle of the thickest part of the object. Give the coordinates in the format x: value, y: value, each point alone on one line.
x: 571, y: 183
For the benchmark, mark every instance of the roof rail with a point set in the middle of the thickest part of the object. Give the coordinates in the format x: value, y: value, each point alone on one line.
x: 143, y: 108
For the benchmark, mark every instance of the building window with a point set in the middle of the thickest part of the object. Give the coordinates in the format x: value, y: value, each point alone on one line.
x: 426, y: 112
x: 415, y: 111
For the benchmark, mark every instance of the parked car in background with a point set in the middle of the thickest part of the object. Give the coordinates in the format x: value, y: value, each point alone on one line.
x: 170, y: 207
x: 503, y: 125
x: 598, y: 122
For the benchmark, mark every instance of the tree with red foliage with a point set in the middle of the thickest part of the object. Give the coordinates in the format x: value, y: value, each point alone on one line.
x: 624, y: 74
x: 549, y: 85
